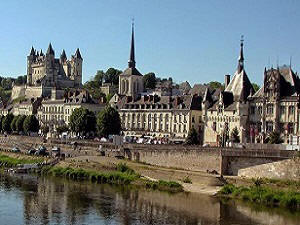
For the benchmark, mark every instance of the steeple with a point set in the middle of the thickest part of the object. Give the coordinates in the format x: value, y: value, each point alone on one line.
x: 32, y: 52
x: 77, y: 54
x: 131, y: 61
x: 63, y: 56
x: 50, y: 50
x: 241, y: 56
x: 41, y: 53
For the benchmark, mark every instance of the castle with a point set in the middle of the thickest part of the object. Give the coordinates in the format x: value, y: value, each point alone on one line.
x: 46, y: 73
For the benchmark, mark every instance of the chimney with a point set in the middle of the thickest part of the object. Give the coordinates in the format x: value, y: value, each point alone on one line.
x: 227, y: 80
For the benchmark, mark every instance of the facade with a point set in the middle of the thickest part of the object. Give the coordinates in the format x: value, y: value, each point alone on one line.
x: 45, y: 72
x: 275, y: 107
x: 57, y: 112
x: 230, y: 110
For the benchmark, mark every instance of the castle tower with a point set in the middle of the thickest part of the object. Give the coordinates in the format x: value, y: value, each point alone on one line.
x: 49, y: 64
x: 77, y: 68
x: 30, y: 60
x: 131, y: 80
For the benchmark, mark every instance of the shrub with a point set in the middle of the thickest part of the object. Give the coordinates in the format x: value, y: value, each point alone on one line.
x: 187, y: 180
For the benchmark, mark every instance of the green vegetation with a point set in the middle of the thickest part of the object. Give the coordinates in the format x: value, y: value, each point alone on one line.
x: 263, y: 195
x: 8, y: 161
x: 19, y: 123
x: 149, y: 80
x: 215, y: 85
x: 274, y: 138
x: 31, y: 124
x: 13, y: 126
x: 256, y: 87
x: 122, y: 167
x: 114, y: 177
x: 82, y: 121
x: 187, y: 180
x: 6, y: 122
x: 235, y: 135
x: 161, y: 185
x: 192, y: 138
x: 108, y: 122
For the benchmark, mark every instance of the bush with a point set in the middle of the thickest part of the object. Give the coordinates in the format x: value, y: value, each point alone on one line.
x: 122, y: 167
x: 31, y: 124
x: 187, y: 180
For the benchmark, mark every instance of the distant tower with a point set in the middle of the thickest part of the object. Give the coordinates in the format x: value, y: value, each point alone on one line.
x: 49, y: 64
x: 131, y: 80
x: 241, y: 57
x: 30, y: 60
x: 77, y: 68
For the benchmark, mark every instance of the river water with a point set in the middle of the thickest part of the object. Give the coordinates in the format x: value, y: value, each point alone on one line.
x: 27, y: 199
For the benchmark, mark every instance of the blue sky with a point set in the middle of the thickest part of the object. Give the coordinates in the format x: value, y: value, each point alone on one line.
x: 197, y: 41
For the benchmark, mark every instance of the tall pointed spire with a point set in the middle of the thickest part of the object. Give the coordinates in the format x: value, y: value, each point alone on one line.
x: 32, y: 52
x: 77, y: 54
x: 131, y: 61
x: 50, y: 50
x: 241, y: 56
x: 63, y: 55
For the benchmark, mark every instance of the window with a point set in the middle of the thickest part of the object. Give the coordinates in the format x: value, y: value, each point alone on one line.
x: 270, y: 109
x: 291, y: 128
x: 269, y: 125
x: 260, y: 109
x: 193, y: 119
x: 282, y: 110
x: 214, y: 127
x: 291, y: 110
x: 252, y: 110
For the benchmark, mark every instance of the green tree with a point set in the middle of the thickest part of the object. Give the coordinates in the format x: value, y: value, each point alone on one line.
x: 31, y: 124
x: 6, y: 122
x: 192, y: 138
x: 82, y: 121
x: 19, y: 123
x: 235, y: 135
x: 108, y: 122
x: 255, y: 86
x: 215, y: 85
x: 274, y: 138
x: 45, y: 129
x: 149, y: 80
x: 99, y: 77
x: 13, y: 125
x: 112, y: 76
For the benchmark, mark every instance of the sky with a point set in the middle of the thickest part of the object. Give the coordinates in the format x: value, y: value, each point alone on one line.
x: 195, y: 41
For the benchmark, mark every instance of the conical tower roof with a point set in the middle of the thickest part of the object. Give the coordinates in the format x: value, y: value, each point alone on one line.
x: 50, y: 50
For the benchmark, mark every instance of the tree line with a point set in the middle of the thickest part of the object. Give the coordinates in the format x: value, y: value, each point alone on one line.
x: 20, y: 124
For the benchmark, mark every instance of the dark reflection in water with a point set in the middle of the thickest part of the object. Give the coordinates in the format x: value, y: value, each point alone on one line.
x: 26, y: 199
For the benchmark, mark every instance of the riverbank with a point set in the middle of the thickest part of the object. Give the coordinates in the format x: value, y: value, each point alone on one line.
x: 274, y: 193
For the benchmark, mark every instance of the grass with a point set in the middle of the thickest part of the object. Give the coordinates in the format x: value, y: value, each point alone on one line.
x: 114, y: 177
x: 263, y: 195
x: 7, y: 161
x: 161, y: 185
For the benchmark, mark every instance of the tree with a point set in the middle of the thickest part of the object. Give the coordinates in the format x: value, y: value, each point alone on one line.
x: 215, y: 85
x: 62, y: 129
x: 1, y: 119
x: 31, y: 124
x: 235, y: 135
x: 6, y: 122
x: 13, y: 124
x: 255, y: 86
x: 99, y: 77
x: 20, y: 122
x: 274, y: 138
x: 108, y: 122
x: 149, y: 80
x: 112, y: 76
x: 82, y: 121
x: 45, y: 129
x: 192, y: 138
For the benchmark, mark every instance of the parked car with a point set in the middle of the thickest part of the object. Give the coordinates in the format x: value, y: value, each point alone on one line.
x: 55, y: 151
x: 15, y: 149
x: 31, y: 151
x: 42, y: 151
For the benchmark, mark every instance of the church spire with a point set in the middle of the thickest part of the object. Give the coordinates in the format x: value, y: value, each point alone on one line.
x: 131, y: 61
x: 50, y: 50
x: 241, y: 57
x: 32, y: 52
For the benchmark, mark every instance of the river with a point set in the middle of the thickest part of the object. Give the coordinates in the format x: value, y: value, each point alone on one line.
x: 28, y: 199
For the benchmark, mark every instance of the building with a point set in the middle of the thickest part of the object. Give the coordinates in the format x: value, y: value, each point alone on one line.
x: 150, y: 114
x: 230, y: 110
x: 275, y: 107
x: 45, y: 72
x: 56, y: 112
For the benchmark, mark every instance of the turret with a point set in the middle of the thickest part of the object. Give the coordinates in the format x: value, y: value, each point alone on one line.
x: 50, y: 50
x: 30, y: 60
x: 77, y: 68
x: 63, y: 56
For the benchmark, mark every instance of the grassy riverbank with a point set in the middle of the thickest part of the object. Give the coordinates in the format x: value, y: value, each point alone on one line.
x: 122, y: 175
x: 263, y: 195
x: 13, y: 161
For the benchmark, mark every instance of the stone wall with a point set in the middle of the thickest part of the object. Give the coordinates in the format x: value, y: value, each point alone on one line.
x: 183, y: 157
x: 285, y: 169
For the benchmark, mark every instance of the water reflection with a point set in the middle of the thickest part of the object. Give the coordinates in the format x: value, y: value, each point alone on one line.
x: 40, y: 200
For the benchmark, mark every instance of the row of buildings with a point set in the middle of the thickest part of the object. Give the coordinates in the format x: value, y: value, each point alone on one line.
x: 54, y: 89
